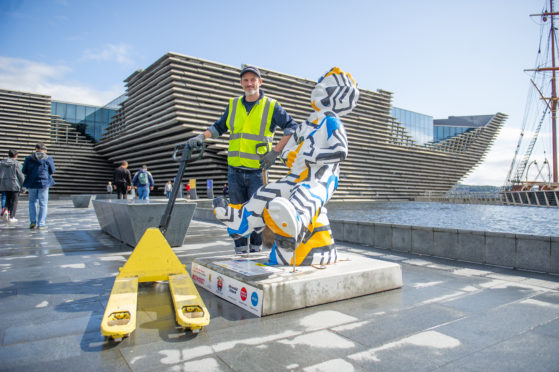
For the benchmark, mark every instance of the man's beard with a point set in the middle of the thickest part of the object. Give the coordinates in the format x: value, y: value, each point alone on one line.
x: 251, y: 92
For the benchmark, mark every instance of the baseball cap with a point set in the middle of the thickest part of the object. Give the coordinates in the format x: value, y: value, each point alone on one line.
x: 252, y: 69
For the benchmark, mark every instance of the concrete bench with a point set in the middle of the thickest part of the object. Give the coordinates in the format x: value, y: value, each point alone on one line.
x: 84, y: 200
x: 105, y: 196
x: 127, y: 220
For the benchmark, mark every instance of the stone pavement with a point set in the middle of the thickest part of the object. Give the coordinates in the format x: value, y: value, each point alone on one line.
x: 449, y: 315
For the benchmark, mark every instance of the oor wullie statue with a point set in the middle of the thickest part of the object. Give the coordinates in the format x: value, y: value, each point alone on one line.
x: 294, y: 206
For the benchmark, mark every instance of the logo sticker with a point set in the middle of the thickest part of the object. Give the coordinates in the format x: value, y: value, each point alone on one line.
x: 243, y: 293
x: 198, y: 279
x: 254, y: 298
x: 219, y: 283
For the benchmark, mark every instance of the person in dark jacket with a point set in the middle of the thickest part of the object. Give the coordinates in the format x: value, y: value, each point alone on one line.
x: 122, y: 181
x: 11, y: 183
x: 38, y: 169
x: 225, y: 190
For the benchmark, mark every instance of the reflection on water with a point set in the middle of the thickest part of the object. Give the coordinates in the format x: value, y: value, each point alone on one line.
x: 498, y: 218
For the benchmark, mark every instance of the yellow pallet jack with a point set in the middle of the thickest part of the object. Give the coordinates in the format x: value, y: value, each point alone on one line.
x: 154, y: 260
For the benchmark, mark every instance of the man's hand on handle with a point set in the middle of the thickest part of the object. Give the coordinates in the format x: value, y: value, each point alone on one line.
x: 196, y: 141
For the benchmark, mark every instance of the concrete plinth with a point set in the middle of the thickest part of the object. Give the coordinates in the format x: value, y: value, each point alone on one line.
x: 105, y: 196
x: 84, y: 200
x: 266, y: 290
x: 127, y: 220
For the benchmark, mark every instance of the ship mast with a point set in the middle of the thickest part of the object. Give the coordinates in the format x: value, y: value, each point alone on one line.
x: 553, y: 96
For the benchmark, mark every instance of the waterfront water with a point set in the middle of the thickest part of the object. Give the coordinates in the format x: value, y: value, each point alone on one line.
x: 497, y: 218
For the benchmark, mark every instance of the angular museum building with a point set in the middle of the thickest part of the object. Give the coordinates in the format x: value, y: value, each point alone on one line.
x: 394, y: 154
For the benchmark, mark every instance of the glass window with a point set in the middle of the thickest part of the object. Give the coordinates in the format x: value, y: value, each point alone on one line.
x: 71, y: 113
x: 60, y: 109
x: 89, y: 114
x: 80, y: 113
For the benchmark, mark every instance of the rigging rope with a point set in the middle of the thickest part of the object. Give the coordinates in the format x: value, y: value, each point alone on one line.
x: 518, y: 168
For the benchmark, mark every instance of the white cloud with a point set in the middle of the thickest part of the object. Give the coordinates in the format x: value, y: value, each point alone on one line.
x: 36, y: 77
x: 119, y: 53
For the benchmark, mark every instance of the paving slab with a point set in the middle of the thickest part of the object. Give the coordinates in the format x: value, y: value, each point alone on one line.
x: 448, y: 315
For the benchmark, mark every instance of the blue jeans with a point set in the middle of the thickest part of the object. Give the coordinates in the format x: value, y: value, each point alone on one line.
x: 242, y: 185
x: 143, y: 192
x: 40, y: 196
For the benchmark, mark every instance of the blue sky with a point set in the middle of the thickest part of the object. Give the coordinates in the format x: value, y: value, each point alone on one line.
x: 438, y: 57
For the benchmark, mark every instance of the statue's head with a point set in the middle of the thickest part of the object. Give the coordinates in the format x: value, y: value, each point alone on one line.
x: 336, y: 93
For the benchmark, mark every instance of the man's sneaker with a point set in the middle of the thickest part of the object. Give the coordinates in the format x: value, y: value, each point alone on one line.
x: 42, y: 227
x: 241, y: 250
x: 221, y: 209
x: 13, y: 219
x: 255, y: 248
x: 32, y: 225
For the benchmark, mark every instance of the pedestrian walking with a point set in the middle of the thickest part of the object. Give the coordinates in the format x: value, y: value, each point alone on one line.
x: 38, y: 169
x: 168, y: 189
x: 143, y: 183
x: 122, y: 180
x: 225, y: 190
x: 11, y: 184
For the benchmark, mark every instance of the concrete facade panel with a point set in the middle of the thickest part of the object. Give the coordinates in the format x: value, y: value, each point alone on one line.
x: 401, y: 238
x: 533, y: 252
x: 445, y: 243
x: 500, y: 249
x: 471, y: 246
x: 422, y: 240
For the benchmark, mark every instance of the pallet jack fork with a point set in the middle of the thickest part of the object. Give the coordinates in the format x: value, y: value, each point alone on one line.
x: 154, y: 260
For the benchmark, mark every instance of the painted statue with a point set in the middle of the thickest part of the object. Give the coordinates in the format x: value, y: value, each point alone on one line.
x: 294, y: 206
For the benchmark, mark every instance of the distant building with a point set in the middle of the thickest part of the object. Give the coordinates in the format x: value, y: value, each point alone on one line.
x: 26, y: 118
x: 392, y: 154
x: 419, y: 126
x: 395, y: 154
x: 91, y: 121
x: 455, y: 125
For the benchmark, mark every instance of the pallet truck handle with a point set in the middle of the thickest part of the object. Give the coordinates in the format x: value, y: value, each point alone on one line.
x: 186, y: 157
x: 264, y: 172
x: 187, y: 151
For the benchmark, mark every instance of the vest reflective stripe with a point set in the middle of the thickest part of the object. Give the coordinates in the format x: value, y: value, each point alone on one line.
x: 250, y: 137
x: 247, y: 130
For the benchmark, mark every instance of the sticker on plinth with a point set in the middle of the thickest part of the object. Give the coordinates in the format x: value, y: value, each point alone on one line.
x: 241, y: 294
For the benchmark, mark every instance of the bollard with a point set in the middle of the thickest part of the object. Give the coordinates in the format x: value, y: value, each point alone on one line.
x: 192, y: 183
x: 210, y: 189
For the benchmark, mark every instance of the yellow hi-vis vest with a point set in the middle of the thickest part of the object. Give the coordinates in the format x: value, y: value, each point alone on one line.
x: 247, y: 130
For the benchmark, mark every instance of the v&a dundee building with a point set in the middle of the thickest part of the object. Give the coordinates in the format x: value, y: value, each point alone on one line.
x: 394, y: 153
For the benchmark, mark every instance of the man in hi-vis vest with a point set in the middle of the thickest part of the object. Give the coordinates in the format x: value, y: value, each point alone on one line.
x: 250, y: 120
